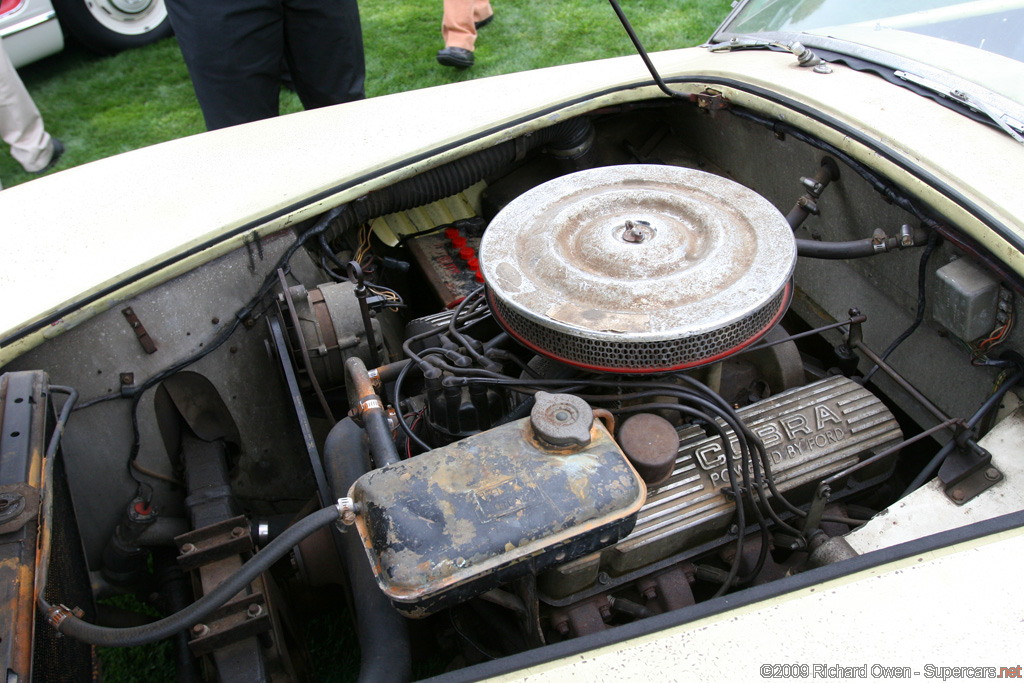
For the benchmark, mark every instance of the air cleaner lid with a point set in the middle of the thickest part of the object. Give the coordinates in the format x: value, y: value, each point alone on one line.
x: 638, y: 268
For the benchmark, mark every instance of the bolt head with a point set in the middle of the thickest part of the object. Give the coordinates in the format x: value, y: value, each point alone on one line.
x: 992, y: 474
x: 200, y: 630
x: 253, y: 611
x: 958, y: 495
x: 188, y: 548
x: 237, y: 532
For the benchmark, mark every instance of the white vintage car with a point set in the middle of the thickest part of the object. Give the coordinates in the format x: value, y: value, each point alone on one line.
x: 33, y: 29
x: 696, y: 366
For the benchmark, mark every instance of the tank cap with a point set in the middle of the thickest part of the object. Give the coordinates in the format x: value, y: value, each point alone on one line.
x: 561, y: 419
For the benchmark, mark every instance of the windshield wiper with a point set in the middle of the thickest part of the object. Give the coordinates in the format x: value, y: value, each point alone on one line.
x: 1010, y: 125
x: 746, y: 43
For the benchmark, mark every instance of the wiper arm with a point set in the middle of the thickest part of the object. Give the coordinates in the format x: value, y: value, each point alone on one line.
x: 1010, y: 125
x: 747, y: 43
x: 804, y: 56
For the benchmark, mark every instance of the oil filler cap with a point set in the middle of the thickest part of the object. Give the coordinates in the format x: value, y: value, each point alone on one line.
x: 561, y: 419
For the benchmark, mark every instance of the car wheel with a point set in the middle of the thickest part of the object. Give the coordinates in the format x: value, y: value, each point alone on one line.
x: 107, y: 26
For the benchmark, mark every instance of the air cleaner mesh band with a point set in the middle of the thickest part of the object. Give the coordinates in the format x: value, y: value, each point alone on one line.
x: 639, y: 357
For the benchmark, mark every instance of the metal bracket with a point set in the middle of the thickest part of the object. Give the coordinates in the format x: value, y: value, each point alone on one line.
x: 967, y: 472
x: 710, y: 100
x: 214, y: 542
x: 148, y: 345
x: 19, y: 503
x: 236, y: 620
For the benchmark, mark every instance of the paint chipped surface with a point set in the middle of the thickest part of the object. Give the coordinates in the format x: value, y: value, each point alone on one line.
x: 453, y: 523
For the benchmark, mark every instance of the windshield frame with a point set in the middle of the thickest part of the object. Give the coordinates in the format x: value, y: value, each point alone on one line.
x: 950, y: 89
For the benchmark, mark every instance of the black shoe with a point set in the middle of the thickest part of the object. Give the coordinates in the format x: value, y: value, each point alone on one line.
x: 58, y: 151
x: 483, y: 22
x: 455, y: 56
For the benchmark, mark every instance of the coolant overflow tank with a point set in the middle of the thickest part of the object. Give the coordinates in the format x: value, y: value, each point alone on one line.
x: 456, y: 522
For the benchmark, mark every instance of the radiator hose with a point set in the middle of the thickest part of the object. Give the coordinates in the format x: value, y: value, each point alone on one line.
x: 383, y: 633
x: 67, y: 623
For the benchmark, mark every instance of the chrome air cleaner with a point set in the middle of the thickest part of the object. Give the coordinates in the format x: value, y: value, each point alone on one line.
x: 638, y: 268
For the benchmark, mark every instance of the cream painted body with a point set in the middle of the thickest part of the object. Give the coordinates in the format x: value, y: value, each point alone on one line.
x: 830, y: 625
x: 75, y: 234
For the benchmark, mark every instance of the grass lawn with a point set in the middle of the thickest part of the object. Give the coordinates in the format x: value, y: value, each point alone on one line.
x: 101, y: 106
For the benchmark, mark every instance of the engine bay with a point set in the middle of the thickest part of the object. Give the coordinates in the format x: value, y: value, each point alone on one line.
x: 625, y: 364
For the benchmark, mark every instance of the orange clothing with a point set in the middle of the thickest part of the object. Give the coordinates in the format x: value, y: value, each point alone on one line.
x: 458, y: 25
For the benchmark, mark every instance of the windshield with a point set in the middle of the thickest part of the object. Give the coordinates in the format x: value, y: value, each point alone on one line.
x: 970, y: 53
x: 990, y: 25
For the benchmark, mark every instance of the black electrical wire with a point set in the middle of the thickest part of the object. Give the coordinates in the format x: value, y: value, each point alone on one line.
x: 46, y: 524
x: 78, y: 629
x: 222, y: 336
x: 398, y: 409
x: 922, y: 272
x: 477, y: 356
x: 730, y: 456
x: 702, y: 395
x: 890, y: 193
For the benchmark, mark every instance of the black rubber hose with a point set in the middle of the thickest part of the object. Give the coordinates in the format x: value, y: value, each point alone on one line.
x: 171, y: 582
x: 74, y: 627
x: 383, y: 632
x: 453, y: 177
x: 383, y: 446
x: 836, y: 250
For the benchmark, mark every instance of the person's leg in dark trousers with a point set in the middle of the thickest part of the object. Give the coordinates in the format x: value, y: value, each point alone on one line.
x: 233, y: 52
x: 324, y: 48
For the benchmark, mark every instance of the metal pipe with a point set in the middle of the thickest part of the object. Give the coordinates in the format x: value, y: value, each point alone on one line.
x: 936, y: 462
x: 370, y: 408
x: 896, y: 377
x: 807, y: 205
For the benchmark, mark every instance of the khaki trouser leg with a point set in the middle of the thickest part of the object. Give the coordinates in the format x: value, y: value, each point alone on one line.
x: 457, y: 27
x: 21, y: 125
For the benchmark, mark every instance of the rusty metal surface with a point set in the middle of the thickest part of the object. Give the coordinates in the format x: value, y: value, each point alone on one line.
x: 668, y: 590
x: 637, y: 254
x: 23, y: 404
x: 19, y: 503
x: 561, y: 420
x: 652, y: 444
x: 809, y: 433
x: 148, y: 345
x: 454, y: 523
x: 583, y: 618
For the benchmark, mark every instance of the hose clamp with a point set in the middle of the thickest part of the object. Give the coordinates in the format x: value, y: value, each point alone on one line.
x: 58, y: 614
x: 347, y: 510
x: 368, y: 404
